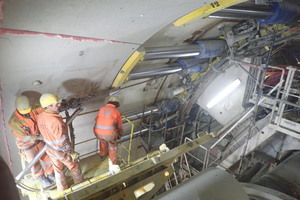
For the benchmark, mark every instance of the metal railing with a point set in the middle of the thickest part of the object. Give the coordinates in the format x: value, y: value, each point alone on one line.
x: 208, y: 162
x: 130, y: 140
x: 186, y: 139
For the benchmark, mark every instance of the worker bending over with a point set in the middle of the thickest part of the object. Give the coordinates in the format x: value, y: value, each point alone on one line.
x: 55, y: 133
x: 109, y: 128
x: 23, y: 123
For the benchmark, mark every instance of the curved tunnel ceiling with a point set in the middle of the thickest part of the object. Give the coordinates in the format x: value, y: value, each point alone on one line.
x: 61, y: 44
x: 56, y: 41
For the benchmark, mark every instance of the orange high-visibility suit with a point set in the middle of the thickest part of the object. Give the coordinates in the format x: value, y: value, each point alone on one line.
x: 55, y: 133
x: 25, y: 130
x: 107, y: 129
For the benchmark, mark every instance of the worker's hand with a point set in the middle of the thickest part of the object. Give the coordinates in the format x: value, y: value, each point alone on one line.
x: 39, y: 137
x: 30, y: 138
x: 75, y: 156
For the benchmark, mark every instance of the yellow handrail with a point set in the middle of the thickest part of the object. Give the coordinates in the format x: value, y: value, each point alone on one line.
x: 130, y: 141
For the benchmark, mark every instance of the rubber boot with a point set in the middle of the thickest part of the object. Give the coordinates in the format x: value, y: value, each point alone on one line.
x: 45, y: 182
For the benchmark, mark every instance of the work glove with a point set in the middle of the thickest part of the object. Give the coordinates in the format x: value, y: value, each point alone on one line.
x: 75, y: 157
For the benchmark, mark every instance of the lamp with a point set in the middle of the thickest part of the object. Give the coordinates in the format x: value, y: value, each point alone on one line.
x: 231, y: 87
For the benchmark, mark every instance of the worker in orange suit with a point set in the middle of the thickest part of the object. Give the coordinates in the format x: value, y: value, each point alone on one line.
x: 23, y: 123
x: 55, y: 134
x: 109, y: 128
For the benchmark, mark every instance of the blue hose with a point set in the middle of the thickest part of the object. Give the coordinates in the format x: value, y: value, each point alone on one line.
x: 282, y: 13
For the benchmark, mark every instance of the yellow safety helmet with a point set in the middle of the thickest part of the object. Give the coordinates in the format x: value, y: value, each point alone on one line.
x: 23, y: 105
x: 48, y: 99
x: 114, y: 99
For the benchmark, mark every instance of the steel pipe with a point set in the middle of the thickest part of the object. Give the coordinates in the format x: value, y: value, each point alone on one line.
x: 35, y: 159
x: 135, y: 134
x: 152, y: 72
x: 277, y: 12
x: 202, y: 49
x: 181, y: 67
x: 140, y: 114
x: 245, y: 12
x: 153, y: 53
